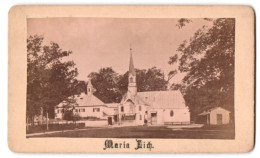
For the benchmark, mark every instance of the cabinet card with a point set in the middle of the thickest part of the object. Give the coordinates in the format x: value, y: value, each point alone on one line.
x: 131, y: 79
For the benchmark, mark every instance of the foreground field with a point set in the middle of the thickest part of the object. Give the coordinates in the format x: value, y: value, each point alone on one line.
x: 209, y: 132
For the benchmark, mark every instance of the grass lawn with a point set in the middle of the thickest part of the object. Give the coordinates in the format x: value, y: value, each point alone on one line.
x: 208, y: 132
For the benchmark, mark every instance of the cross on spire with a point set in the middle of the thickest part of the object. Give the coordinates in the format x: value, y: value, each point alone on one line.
x: 130, y: 48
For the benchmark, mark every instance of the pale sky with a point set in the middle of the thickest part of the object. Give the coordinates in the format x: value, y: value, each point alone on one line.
x: 105, y: 42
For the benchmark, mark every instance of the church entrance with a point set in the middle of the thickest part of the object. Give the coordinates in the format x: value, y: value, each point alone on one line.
x: 153, y: 118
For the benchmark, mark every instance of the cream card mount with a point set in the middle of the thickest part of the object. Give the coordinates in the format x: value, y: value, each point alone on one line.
x: 131, y: 79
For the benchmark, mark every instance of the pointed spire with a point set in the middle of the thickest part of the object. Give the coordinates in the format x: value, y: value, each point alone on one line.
x: 131, y: 65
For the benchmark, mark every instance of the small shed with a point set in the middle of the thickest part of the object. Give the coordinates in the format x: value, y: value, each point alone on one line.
x: 215, y: 116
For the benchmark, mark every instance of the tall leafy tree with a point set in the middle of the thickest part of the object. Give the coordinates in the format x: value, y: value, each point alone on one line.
x: 152, y: 79
x: 70, y: 116
x: 110, y: 86
x: 105, y: 83
x: 49, y: 79
x: 207, y: 59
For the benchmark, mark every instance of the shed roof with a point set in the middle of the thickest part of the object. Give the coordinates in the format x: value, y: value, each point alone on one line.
x: 212, y: 109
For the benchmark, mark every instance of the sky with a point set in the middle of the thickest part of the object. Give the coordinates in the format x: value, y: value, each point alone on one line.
x: 105, y: 42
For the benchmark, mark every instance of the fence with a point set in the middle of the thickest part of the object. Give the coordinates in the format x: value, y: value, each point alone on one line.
x: 54, y: 127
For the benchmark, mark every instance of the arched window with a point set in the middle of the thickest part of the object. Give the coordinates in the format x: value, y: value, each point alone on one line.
x: 131, y: 79
x: 122, y: 109
x: 171, y: 113
x: 131, y: 108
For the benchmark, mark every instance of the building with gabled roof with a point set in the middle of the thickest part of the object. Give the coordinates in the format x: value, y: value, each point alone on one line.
x: 152, y: 107
x: 88, y: 106
x: 215, y: 116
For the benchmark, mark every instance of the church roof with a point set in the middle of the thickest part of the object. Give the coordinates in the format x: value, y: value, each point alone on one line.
x: 163, y: 99
x: 134, y: 98
x: 131, y: 65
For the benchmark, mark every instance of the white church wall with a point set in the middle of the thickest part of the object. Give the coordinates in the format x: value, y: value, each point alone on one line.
x: 128, y: 107
x: 159, y: 118
x: 178, y: 115
x: 140, y: 114
x: 139, y: 119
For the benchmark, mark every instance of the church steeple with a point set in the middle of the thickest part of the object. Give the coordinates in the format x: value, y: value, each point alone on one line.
x: 132, y: 76
x: 131, y: 65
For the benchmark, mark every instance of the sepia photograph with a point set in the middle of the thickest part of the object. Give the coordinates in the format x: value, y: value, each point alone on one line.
x: 166, y: 78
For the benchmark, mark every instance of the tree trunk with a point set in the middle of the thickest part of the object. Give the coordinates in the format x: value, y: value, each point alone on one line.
x: 27, y: 123
x: 32, y: 120
x: 47, y: 117
x: 41, y: 116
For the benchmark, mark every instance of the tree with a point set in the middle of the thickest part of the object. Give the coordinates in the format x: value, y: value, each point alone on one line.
x: 110, y: 86
x: 80, y: 86
x: 147, y: 80
x: 105, y: 83
x: 70, y: 116
x: 49, y: 79
x: 207, y: 59
x: 176, y: 86
x: 182, y: 22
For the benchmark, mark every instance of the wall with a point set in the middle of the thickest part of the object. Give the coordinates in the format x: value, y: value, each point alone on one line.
x: 129, y: 107
x: 58, y: 115
x: 179, y: 115
x: 89, y: 112
x: 163, y: 116
x: 225, y: 116
x: 140, y: 113
x: 159, y: 116
x: 94, y: 123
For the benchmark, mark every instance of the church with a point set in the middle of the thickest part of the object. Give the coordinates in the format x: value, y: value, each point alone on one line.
x: 135, y: 108
x: 151, y: 107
